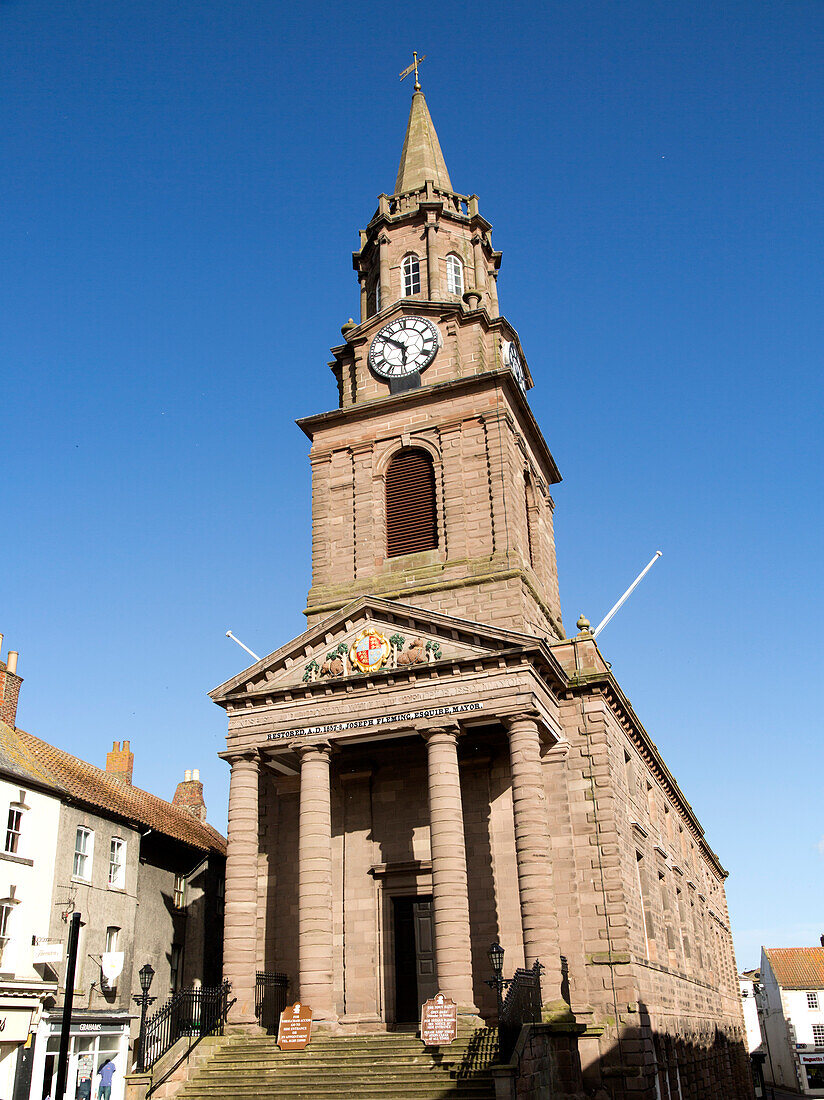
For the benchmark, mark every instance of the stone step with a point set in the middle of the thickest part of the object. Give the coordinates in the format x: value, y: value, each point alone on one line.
x: 425, y: 1091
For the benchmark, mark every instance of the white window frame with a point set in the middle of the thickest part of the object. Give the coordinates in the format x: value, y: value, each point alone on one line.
x: 179, y: 896
x: 112, y: 940
x: 117, y: 880
x: 15, y: 818
x: 410, y: 275
x: 6, y: 909
x: 454, y: 274
x: 83, y: 870
x: 818, y: 1040
x: 812, y: 999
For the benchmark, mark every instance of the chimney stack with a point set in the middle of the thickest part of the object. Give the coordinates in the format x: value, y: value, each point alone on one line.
x: 120, y: 762
x: 189, y: 795
x: 9, y: 688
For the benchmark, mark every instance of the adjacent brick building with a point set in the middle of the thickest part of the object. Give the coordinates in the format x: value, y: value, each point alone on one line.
x: 435, y: 764
x: 146, y: 876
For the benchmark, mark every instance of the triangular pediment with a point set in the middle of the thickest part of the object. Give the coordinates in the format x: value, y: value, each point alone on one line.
x: 341, y: 647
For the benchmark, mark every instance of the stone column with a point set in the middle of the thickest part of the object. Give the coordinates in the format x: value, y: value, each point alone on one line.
x: 433, y: 269
x: 386, y: 290
x: 532, y: 852
x: 315, y: 881
x: 480, y: 262
x: 240, y: 922
x: 450, y: 899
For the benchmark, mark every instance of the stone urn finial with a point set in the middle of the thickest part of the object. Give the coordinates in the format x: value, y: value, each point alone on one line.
x: 472, y: 298
x: 347, y: 328
x: 583, y: 625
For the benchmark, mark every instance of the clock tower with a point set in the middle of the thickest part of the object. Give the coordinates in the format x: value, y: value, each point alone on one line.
x: 431, y: 480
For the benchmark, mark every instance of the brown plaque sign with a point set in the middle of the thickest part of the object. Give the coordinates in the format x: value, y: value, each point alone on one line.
x: 439, y: 1021
x: 295, y: 1027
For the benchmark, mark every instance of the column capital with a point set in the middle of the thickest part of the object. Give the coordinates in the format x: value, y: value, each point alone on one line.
x: 528, y: 716
x: 319, y: 748
x: 443, y: 729
x: 247, y: 756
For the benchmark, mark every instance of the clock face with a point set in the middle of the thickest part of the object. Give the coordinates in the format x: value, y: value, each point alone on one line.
x: 404, y: 346
x: 516, y: 366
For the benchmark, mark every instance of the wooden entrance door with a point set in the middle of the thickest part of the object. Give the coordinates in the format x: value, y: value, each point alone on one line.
x: 415, y: 976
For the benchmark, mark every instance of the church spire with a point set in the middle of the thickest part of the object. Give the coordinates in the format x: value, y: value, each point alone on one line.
x: 421, y: 158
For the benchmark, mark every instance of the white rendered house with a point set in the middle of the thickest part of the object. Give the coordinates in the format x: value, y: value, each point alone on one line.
x: 792, y: 1016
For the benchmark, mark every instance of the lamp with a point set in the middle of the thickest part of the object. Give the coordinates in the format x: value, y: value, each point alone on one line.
x: 146, y: 975
x: 495, y: 954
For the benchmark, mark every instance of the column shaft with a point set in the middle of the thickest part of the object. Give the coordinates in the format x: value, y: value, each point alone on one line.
x: 450, y: 899
x: 315, y: 882
x: 432, y: 261
x: 532, y: 850
x: 386, y: 290
x: 240, y: 922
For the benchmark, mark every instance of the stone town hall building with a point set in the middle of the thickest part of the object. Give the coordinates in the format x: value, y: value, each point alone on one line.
x: 435, y: 763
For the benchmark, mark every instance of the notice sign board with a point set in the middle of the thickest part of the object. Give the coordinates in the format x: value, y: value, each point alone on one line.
x: 295, y: 1027
x: 439, y: 1021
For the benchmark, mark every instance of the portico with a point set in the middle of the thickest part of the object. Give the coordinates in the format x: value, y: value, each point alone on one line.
x: 372, y: 818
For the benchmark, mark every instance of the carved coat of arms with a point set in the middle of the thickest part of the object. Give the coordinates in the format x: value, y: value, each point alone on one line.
x: 369, y: 650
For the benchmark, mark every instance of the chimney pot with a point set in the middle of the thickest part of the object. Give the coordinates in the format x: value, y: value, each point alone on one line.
x: 822, y: 940
x: 9, y: 688
x: 120, y: 762
x: 196, y: 774
x: 189, y: 795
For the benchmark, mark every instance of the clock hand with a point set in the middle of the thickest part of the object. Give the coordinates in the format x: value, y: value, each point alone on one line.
x: 397, y: 343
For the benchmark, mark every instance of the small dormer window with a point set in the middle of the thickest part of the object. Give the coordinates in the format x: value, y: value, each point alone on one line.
x: 411, y: 276
x: 454, y: 275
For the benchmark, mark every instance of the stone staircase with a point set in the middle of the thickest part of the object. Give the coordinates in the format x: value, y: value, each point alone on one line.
x: 362, y: 1067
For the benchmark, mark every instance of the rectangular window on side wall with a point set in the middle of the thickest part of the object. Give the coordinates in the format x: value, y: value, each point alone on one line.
x: 117, y: 864
x: 83, y: 852
x: 174, y: 966
x: 818, y: 1035
x: 13, y: 830
x: 812, y: 1000
x: 179, y: 899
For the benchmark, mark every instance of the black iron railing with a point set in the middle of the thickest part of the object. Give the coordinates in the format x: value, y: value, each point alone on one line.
x: 271, y: 991
x: 522, y: 1005
x: 192, y: 1013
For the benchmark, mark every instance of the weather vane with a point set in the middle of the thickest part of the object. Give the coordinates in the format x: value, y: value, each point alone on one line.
x: 415, y: 62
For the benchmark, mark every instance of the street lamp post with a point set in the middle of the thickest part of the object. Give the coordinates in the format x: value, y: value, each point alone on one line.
x: 144, y: 1000
x: 496, y: 961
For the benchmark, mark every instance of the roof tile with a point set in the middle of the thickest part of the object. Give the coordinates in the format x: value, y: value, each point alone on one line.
x: 24, y: 755
x: 797, y: 967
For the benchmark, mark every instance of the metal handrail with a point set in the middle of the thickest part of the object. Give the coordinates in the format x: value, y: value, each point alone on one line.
x: 193, y: 1013
x: 522, y: 1005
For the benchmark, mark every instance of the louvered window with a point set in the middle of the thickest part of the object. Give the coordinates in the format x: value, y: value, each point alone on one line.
x: 411, y: 515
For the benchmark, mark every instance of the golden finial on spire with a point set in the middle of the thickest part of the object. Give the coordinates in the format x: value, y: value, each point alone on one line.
x: 415, y: 62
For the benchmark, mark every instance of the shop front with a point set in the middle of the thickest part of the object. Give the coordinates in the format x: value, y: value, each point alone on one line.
x: 812, y: 1073
x: 15, y: 1022
x: 93, y: 1041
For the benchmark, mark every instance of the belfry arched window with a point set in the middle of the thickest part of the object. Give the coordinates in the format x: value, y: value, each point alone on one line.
x: 454, y: 275
x: 411, y: 512
x: 411, y: 275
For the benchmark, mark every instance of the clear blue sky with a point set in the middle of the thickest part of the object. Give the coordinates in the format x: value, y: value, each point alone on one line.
x: 181, y: 192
